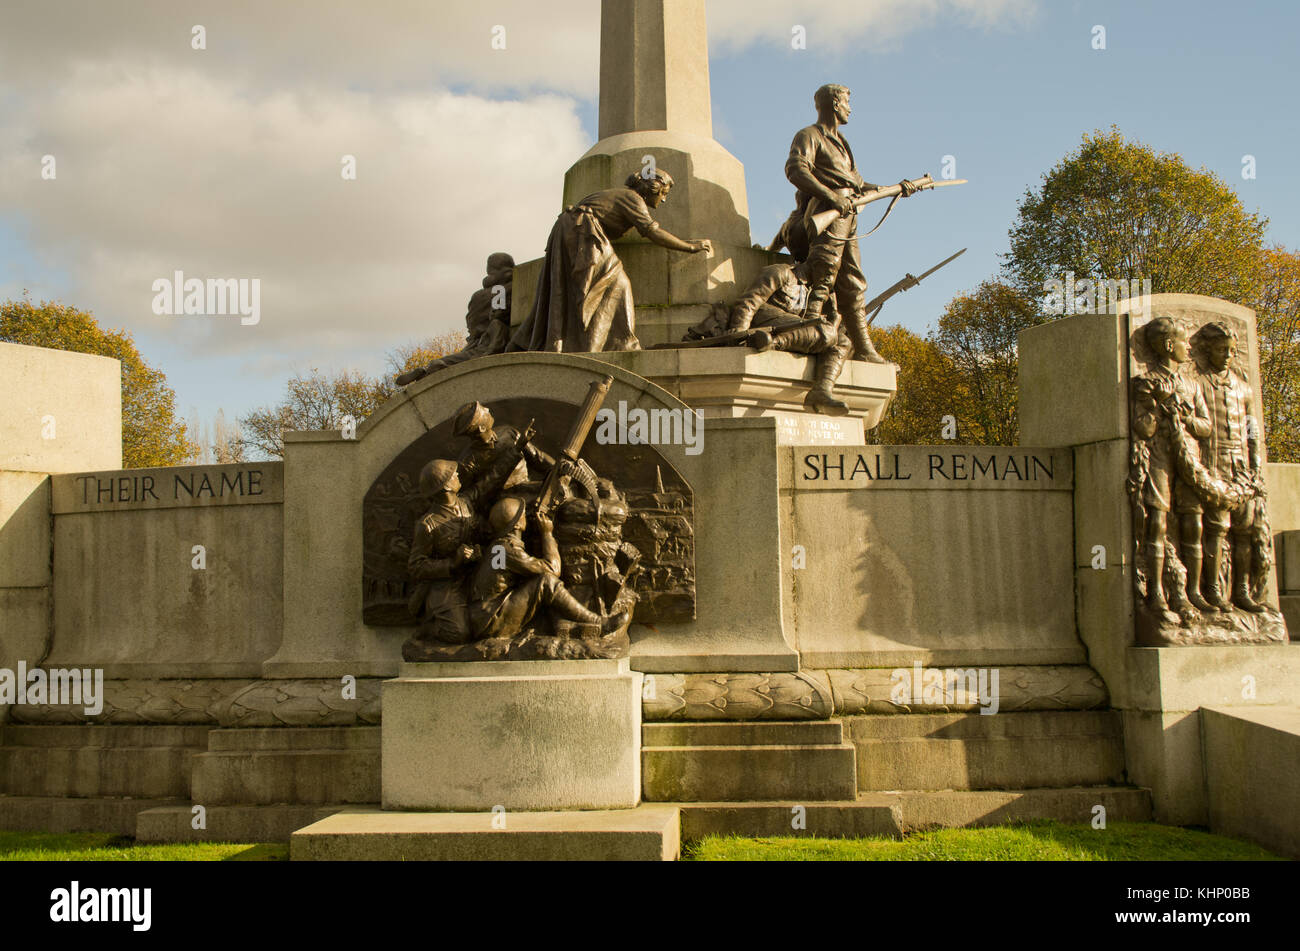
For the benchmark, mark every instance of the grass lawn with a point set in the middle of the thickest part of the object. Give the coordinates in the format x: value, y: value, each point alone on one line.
x: 1035, y: 842
x: 106, y: 847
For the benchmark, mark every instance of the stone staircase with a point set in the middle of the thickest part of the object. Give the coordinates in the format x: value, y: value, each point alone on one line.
x: 889, y: 774
x: 93, y: 778
x: 853, y: 776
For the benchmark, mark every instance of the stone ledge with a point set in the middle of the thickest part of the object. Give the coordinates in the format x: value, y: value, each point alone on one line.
x: 645, y: 833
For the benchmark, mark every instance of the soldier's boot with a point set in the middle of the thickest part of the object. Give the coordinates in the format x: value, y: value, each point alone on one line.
x: 1156, y: 586
x: 569, y: 607
x: 821, y: 398
x: 1192, y: 557
x: 1213, y: 587
x: 863, y: 349
x: 1241, y: 577
x: 410, y: 376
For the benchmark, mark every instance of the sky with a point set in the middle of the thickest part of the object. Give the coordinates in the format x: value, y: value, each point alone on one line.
x: 226, y: 161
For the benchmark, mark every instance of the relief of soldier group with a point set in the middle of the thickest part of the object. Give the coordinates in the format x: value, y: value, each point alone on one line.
x: 496, y: 548
x: 1200, y: 514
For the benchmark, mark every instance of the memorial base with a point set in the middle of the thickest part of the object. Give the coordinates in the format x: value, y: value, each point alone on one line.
x: 646, y: 833
x: 512, y: 736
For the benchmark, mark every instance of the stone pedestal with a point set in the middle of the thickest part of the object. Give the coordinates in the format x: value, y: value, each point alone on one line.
x: 510, y: 736
x: 737, y: 382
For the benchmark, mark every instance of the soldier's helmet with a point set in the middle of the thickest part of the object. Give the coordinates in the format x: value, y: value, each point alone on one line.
x: 435, y: 475
x: 505, y: 516
x: 469, y: 415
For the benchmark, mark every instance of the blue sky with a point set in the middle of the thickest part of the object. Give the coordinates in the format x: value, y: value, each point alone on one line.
x: 177, y: 160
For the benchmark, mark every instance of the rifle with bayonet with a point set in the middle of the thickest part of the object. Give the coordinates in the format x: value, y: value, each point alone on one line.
x: 876, y: 303
x: 824, y: 219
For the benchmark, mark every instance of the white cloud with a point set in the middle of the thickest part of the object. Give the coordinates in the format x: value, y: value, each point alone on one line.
x: 836, y: 25
x: 161, y: 169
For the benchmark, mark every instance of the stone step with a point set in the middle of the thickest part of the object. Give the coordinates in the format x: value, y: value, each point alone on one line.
x: 103, y: 735
x: 267, y: 823
x: 950, y: 808
x: 148, y: 772
x: 264, y: 776
x: 967, y: 726
x: 873, y: 814
x: 747, y: 773
x: 774, y: 733
x: 896, y: 813
x: 646, y: 833
x: 58, y: 814
x: 972, y: 751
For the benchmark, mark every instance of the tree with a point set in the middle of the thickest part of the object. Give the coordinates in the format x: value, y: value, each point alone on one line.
x: 152, y: 435
x: 1277, y: 310
x: 318, y: 401
x: 222, y: 443
x: 928, y: 389
x: 411, y: 355
x: 314, y: 401
x: 1119, y: 210
x: 978, y: 333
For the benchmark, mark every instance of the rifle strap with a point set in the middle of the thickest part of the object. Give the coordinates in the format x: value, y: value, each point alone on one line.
x: 892, y: 202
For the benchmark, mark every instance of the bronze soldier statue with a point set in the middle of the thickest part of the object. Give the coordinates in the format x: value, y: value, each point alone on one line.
x: 443, y: 554
x: 498, y: 458
x: 1232, y: 453
x: 777, y: 296
x: 822, y: 169
x: 1168, y: 409
x: 487, y: 320
x: 511, y: 587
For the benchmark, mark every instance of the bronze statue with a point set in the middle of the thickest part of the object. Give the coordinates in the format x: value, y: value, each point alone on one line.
x: 511, y: 586
x: 497, y: 457
x: 1233, y: 455
x: 775, y: 298
x: 1167, y: 407
x: 822, y: 169
x: 1196, y: 453
x: 443, y: 554
x: 487, y: 320
x: 584, y: 298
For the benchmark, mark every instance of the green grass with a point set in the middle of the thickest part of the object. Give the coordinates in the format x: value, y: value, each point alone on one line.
x: 107, y: 847
x: 1035, y: 842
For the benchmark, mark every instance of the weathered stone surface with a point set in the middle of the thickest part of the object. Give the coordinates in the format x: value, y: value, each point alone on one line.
x: 647, y: 833
x: 820, y: 694
x: 228, y: 703
x: 971, y: 751
x: 1252, y: 774
x: 63, y: 410
x: 522, y: 735
x: 861, y: 567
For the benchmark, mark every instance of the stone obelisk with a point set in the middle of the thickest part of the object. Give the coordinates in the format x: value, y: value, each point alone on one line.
x: 654, y: 107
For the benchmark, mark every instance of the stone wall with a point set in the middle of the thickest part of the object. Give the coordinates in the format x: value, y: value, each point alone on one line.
x: 170, y: 572
x: 937, y: 554
x: 62, y: 412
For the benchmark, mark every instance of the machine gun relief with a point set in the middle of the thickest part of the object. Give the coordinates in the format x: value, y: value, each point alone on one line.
x: 822, y: 220
x: 568, y: 460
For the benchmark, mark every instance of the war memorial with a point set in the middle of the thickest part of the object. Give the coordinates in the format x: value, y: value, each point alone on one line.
x: 626, y: 571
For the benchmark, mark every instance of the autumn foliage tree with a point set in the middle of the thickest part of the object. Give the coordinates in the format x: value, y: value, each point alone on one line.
x: 152, y: 434
x: 316, y: 400
x: 1277, y: 310
x: 1119, y: 210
